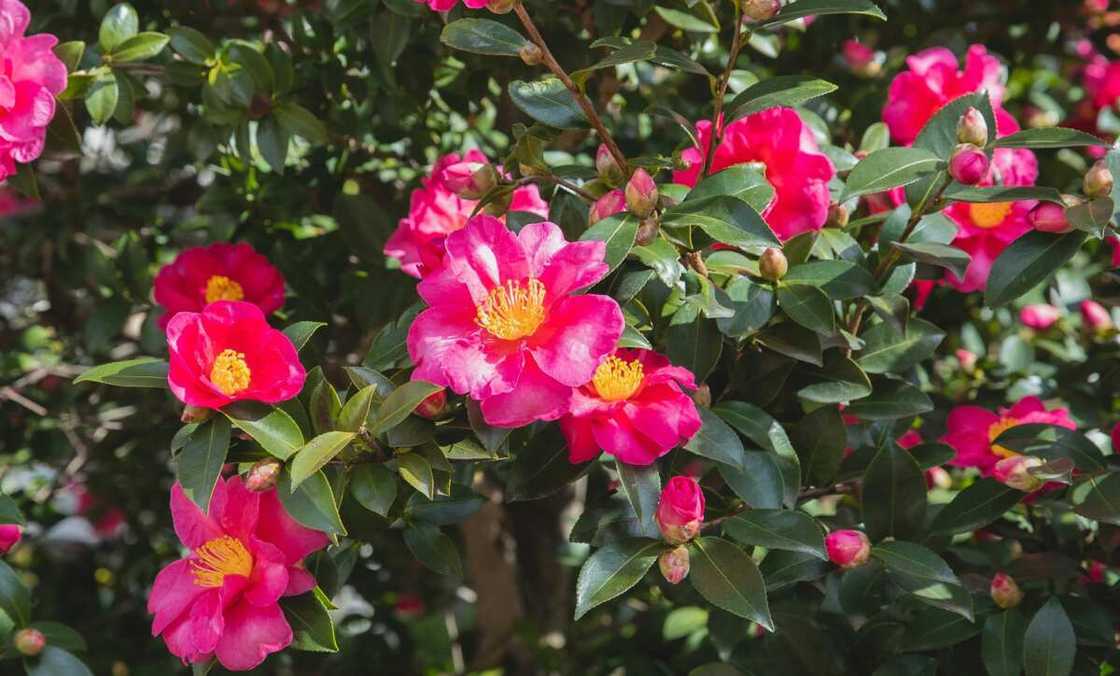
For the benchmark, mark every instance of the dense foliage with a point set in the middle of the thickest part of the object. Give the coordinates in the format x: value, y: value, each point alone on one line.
x: 675, y: 337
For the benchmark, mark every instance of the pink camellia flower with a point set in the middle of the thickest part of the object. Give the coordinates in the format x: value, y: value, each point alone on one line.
x: 633, y: 408
x: 857, y: 55
x: 504, y: 325
x: 222, y: 600
x: 1039, y: 316
x: 448, y: 5
x: 1094, y: 316
x: 1015, y: 472
x: 680, y: 510
x: 848, y: 548
x: 10, y: 534
x: 608, y: 205
x: 229, y: 353
x: 985, y: 231
x: 934, y: 79
x: 30, y: 77
x: 1101, y: 80
x: 794, y: 165
x: 972, y: 430
x: 222, y: 271
x: 435, y: 211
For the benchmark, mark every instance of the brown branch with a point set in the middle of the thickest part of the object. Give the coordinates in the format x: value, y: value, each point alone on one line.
x: 721, y: 89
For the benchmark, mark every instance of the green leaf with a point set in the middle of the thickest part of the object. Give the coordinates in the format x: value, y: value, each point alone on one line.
x: 778, y: 529
x: 921, y: 572
x: 783, y: 90
x: 804, y: 8
x: 975, y: 507
x: 312, y: 503
x: 55, y: 661
x: 141, y: 372
x: 613, y: 570
x: 301, y: 332
x: 696, y: 346
x: 483, y: 36
x: 102, y: 98
x: 761, y: 483
x: 618, y: 231
x: 740, y: 181
x: 119, y: 23
x: 725, y: 219
x: 839, y: 381
x: 316, y: 453
x: 1049, y: 645
x: 323, y: 404
x: 1049, y: 137
x: 963, y: 193
x: 728, y: 578
x: 9, y: 511
x: 354, y: 413
x: 140, y: 47
x: 70, y: 53
x: 894, y: 495
x: 295, y: 119
x: 808, y: 306
x: 417, y: 471
x: 199, y: 464
x: 312, y: 628
x: 888, y: 351
x: 1092, y: 216
x: 942, y: 255
x: 433, y: 548
x: 191, y: 44
x: 783, y: 569
x: 841, y: 280
x: 542, y: 467
x: 374, y: 487
x: 933, y: 629
x: 642, y: 487
x: 820, y: 438
x: 272, y: 428
x: 685, y: 21
x: 1027, y: 262
x: 716, y: 441
x: 889, y: 168
x: 445, y: 509
x: 1001, y: 644
x: 15, y: 599
x: 752, y: 303
x: 940, y: 133
x: 1099, y: 498
x: 1052, y: 442
x: 273, y: 142
x: 547, y: 101
x: 889, y: 400
x: 682, y: 622
x: 400, y: 404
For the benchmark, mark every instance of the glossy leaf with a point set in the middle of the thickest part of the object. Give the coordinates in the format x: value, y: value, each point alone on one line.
x: 1028, y: 262
x: 433, y: 548
x: 783, y: 90
x: 199, y: 464
x: 140, y: 372
x: 300, y: 333
x: 888, y: 351
x: 312, y: 503
x: 808, y: 306
x: 728, y: 578
x: 1049, y: 645
x: 976, y: 506
x: 618, y: 231
x: 309, y: 617
x: 317, y: 453
x: 894, y: 495
x: 374, y: 487
x: 725, y: 219
x: 778, y: 529
x: 613, y: 570
x: 1049, y: 137
x: 270, y: 427
x: 400, y: 404
x: 889, y: 168
x: 547, y: 101
x: 483, y: 36
x: 716, y: 441
x: 119, y: 23
x: 1001, y: 645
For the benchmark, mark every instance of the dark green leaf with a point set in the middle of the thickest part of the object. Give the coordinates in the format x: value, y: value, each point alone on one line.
x: 1029, y: 261
x: 804, y: 8
x: 963, y: 193
x: 295, y: 119
x: 102, y: 98
x: 889, y: 168
x: 312, y: 504
x: 374, y: 487
x: 547, y: 101
x: 891, y: 399
x: 888, y: 351
x: 400, y: 404
x: 725, y: 219
x: 316, y: 453
x: 141, y: 372
x: 839, y: 381
x: 70, y: 53
x: 542, y: 468
x: 15, y: 599
x: 740, y: 181
x: 119, y: 23
x: 618, y: 231
x: 753, y: 305
x: 778, y: 529
x: 199, y: 464
x: 894, y: 495
x: 782, y: 569
x: 841, y: 280
x: 301, y: 332
x: 942, y: 255
x: 190, y: 44
x: 1099, y: 498
x: 54, y: 661
x: 642, y: 487
x: 270, y: 427
x: 975, y: 507
x: 808, y: 306
x: 613, y: 570
x: 695, y: 346
x: 483, y: 36
x: 417, y: 471
x: 820, y: 438
x: 728, y: 578
x: 140, y: 47
x: 1049, y: 645
x: 1049, y: 137
x: 716, y: 441
x: 433, y: 548
x: 933, y: 629
x: 783, y: 90
x: 1001, y: 645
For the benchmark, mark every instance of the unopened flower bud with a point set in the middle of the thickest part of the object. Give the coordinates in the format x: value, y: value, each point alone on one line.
x: 1094, y: 316
x: 501, y: 6
x: 641, y: 193
x: 1039, y: 316
x: 674, y: 564
x: 1014, y: 472
x: 837, y: 216
x: 972, y: 128
x: 607, y: 166
x: 937, y: 477
x: 1014, y: 549
x: 608, y: 205
x: 1005, y: 591
x: 761, y: 10
x: 967, y: 359
x: 29, y: 642
x: 1049, y: 217
x: 531, y: 54
x: 860, y: 59
x: 968, y: 165
x: 1098, y: 180
x: 10, y: 534
x: 262, y: 476
x: 471, y: 180
x: 195, y: 414
x: 703, y: 396
x: 433, y: 406
x: 772, y: 264
x: 680, y: 510
x: 647, y: 231
x: 848, y: 548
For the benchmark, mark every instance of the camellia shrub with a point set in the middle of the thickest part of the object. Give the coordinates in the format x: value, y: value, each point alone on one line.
x: 522, y: 337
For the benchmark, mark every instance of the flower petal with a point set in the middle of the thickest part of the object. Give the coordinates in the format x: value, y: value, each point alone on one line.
x: 251, y: 635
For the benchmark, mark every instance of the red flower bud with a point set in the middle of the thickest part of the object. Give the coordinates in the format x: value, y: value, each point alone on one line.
x: 647, y: 231
x: 860, y: 59
x: 434, y: 406
x: 607, y: 165
x: 1049, y: 217
x: 772, y: 264
x: 967, y: 359
x: 29, y: 642
x: 607, y: 205
x: 1015, y: 472
x: 10, y: 535
x: 761, y: 10
x: 501, y: 6
x: 968, y: 165
x: 1005, y: 591
x: 471, y: 180
x: 972, y: 128
x: 262, y: 476
x: 1094, y: 316
x: 838, y: 216
x: 680, y: 510
x: 641, y: 193
x: 848, y: 548
x: 1039, y: 316
x: 1098, y: 180
x: 530, y: 54
x: 674, y: 564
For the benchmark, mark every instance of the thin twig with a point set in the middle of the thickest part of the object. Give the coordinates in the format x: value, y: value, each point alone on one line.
x: 721, y: 90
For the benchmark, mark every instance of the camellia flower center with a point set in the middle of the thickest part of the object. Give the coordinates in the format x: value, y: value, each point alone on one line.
x: 998, y: 428
x: 989, y: 215
x: 220, y: 557
x: 230, y: 373
x: 513, y: 310
x: 617, y: 379
x: 220, y: 287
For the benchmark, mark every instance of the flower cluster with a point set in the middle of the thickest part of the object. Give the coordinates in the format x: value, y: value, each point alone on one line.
x: 972, y: 431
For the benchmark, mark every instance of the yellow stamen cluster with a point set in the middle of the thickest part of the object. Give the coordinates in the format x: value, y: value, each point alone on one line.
x: 220, y: 287
x: 989, y: 215
x: 617, y: 379
x: 513, y: 311
x: 220, y: 557
x: 230, y: 373
x: 997, y: 429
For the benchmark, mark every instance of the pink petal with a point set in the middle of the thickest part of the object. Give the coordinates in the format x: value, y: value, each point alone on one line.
x: 173, y: 592
x: 970, y: 419
x: 270, y: 574
x: 275, y: 526
x: 450, y: 350
x: 579, y: 332
x: 485, y: 254
x: 192, y: 526
x: 206, y: 620
x: 581, y: 442
x: 239, y: 509
x: 251, y: 635
x: 535, y: 397
x: 300, y: 581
